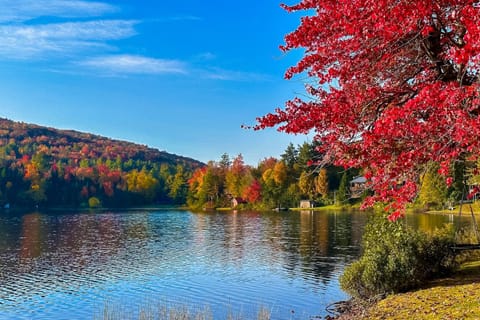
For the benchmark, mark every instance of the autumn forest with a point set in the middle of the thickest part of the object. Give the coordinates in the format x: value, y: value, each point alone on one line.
x: 273, y: 183
x: 47, y: 167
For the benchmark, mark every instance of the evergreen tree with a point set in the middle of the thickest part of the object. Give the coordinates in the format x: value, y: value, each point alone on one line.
x: 306, y: 154
x: 225, y: 162
x: 342, y: 193
x: 178, y: 186
x: 290, y: 157
x: 458, y: 188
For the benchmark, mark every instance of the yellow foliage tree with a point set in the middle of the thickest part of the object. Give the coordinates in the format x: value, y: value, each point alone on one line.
x: 321, y: 183
x: 142, y: 182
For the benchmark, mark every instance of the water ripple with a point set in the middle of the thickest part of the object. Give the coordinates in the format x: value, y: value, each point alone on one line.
x: 67, y: 266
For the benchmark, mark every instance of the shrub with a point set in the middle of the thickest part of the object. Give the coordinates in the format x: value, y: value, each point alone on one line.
x: 94, y: 202
x: 467, y: 236
x: 396, y: 258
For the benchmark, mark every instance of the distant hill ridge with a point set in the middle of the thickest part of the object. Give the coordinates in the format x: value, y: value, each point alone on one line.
x: 79, y: 145
x: 47, y: 167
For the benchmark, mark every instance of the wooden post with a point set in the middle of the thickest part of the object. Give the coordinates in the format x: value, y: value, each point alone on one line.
x: 475, y: 226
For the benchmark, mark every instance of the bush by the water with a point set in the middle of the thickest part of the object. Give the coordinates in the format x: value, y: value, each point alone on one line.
x: 467, y: 236
x: 396, y: 258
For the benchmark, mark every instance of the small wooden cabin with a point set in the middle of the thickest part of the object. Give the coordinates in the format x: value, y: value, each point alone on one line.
x: 236, y: 201
x: 357, y: 187
x: 306, y: 204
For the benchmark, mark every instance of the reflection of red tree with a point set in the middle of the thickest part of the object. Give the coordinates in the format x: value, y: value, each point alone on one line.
x: 305, y: 232
x: 31, y: 231
x: 322, y: 230
x: 200, y: 230
x: 86, y: 233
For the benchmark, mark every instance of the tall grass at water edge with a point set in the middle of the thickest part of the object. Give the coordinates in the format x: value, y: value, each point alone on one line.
x: 163, y: 311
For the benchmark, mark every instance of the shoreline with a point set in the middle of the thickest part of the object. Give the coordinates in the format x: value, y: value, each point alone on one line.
x: 453, y: 297
x: 92, y: 210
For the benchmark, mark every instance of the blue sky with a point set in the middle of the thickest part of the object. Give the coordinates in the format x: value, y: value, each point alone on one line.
x: 180, y: 76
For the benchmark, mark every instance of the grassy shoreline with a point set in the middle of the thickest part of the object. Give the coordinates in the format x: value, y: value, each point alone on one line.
x: 455, y: 297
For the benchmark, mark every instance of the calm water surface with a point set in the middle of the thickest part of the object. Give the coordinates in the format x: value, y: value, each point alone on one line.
x: 68, y: 266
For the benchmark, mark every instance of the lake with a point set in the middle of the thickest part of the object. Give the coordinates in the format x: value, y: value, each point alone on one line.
x: 71, y: 265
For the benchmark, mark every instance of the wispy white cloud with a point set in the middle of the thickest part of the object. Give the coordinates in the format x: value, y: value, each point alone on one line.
x: 24, y: 10
x: 85, y: 40
x: 126, y: 64
x: 38, y: 41
x: 205, y: 56
x: 134, y: 64
x: 234, y: 75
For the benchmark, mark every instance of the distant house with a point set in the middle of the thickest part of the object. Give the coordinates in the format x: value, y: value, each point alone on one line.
x: 357, y: 187
x: 236, y: 201
x: 473, y: 190
x: 306, y: 204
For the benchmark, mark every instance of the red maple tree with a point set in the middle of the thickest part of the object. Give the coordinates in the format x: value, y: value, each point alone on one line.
x: 394, y: 85
x: 253, y: 192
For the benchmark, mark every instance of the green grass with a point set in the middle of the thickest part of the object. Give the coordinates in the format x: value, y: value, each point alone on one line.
x: 456, y: 297
x: 456, y: 208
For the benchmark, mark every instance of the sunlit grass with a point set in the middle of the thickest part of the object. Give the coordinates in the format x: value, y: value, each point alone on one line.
x: 457, y: 297
x: 475, y: 206
x: 331, y: 207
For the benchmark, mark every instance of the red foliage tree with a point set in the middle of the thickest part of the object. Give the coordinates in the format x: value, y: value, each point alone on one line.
x: 394, y: 84
x: 253, y: 193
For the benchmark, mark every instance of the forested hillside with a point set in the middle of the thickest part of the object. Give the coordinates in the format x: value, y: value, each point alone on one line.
x: 49, y: 167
